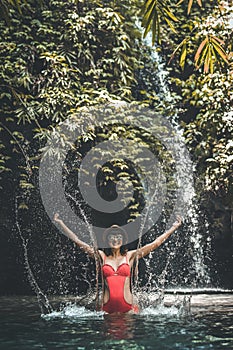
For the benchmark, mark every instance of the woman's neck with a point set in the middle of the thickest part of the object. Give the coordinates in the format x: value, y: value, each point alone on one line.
x: 116, y: 253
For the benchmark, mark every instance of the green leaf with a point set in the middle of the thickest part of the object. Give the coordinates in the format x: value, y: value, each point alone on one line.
x: 183, y: 56
x: 167, y: 11
x: 183, y: 42
x: 220, y: 50
x: 189, y: 6
x: 23, y: 206
x: 199, y: 50
x: 153, y: 12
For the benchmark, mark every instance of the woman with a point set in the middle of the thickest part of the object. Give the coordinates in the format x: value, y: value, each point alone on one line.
x: 117, y: 263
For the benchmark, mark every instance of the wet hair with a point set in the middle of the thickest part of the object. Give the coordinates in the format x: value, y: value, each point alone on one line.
x: 108, y: 251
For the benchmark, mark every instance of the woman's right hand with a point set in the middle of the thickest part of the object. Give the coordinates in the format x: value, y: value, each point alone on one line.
x: 56, y: 218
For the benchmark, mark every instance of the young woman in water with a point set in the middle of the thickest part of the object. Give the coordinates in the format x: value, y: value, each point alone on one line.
x: 117, y: 262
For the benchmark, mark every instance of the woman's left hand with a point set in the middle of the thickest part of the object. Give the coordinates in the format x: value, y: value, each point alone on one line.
x: 178, y: 221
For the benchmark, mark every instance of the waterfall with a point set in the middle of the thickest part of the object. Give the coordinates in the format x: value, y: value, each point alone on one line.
x: 197, y: 236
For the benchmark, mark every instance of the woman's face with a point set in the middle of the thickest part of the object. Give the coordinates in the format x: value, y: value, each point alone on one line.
x: 115, y: 240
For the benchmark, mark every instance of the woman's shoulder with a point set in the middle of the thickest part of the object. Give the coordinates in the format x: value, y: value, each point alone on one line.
x: 131, y: 254
x: 102, y: 254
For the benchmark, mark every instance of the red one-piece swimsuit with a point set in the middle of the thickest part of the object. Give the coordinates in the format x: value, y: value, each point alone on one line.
x: 116, y: 282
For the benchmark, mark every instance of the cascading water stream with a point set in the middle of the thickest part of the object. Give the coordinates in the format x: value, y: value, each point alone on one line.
x: 202, y: 276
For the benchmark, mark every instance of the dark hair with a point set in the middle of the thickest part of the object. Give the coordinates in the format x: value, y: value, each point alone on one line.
x: 108, y: 251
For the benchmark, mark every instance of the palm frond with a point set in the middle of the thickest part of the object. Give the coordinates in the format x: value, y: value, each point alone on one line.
x: 209, y: 52
x: 153, y: 12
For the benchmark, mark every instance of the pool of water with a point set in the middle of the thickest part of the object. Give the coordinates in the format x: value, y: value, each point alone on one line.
x: 207, y: 325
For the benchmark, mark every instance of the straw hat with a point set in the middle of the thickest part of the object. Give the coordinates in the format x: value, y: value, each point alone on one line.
x: 114, y: 229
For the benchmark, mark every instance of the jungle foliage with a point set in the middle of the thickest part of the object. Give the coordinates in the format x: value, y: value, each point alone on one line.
x: 197, y: 36
x: 57, y: 58
x: 204, y: 81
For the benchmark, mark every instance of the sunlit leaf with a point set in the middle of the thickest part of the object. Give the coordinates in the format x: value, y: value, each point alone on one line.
x: 201, y: 57
x: 220, y: 50
x: 148, y: 18
x: 183, y: 56
x: 153, y: 12
x: 23, y: 206
x: 167, y: 11
x: 183, y: 42
x: 200, y: 48
x: 207, y: 60
x: 170, y: 24
x: 207, y: 53
x: 190, y: 4
x: 155, y: 29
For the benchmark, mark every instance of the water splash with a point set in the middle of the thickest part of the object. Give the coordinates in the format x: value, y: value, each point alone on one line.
x: 43, y: 301
x: 151, y: 305
x: 73, y: 311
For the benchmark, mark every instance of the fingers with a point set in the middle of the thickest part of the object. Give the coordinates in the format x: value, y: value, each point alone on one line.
x: 179, y: 219
x: 56, y: 216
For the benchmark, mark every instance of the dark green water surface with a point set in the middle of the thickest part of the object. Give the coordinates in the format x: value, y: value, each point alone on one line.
x: 210, y: 326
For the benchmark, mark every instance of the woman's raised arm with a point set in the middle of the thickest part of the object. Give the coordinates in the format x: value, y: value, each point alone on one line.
x: 70, y: 234
x: 145, y: 250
